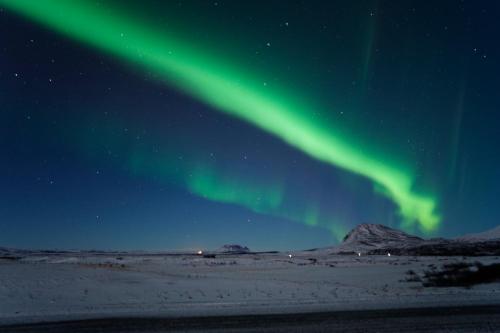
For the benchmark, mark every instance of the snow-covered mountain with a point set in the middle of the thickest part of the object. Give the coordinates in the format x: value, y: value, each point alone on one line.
x: 488, y: 235
x: 376, y: 236
x: 364, y: 239
x: 380, y: 239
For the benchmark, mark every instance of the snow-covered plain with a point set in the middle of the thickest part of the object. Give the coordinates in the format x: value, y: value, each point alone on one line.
x: 46, y: 287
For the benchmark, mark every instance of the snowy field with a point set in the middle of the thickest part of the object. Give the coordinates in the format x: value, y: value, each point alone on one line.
x: 49, y: 287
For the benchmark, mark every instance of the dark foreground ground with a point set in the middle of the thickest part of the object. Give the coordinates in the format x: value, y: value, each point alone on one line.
x: 449, y: 319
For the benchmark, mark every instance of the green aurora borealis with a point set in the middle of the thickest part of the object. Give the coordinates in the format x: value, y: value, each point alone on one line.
x: 243, y: 93
x: 203, y: 177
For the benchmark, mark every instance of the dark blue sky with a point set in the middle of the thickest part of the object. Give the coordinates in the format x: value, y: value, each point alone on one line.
x: 97, y: 153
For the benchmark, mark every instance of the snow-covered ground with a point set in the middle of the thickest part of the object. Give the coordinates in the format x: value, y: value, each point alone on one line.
x: 42, y: 287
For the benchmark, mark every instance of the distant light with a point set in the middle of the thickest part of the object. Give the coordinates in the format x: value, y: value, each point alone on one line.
x: 388, y: 254
x: 289, y: 256
x: 200, y: 252
x: 359, y: 254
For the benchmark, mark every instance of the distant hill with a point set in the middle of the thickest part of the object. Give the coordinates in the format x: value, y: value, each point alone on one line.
x: 371, y: 236
x: 488, y: 235
x: 233, y: 249
x: 380, y: 239
x: 365, y: 239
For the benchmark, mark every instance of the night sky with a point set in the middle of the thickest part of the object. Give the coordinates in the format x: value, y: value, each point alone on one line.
x: 162, y: 125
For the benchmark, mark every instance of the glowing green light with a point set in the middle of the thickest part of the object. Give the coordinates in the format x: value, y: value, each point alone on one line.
x: 207, y: 183
x: 235, y: 91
